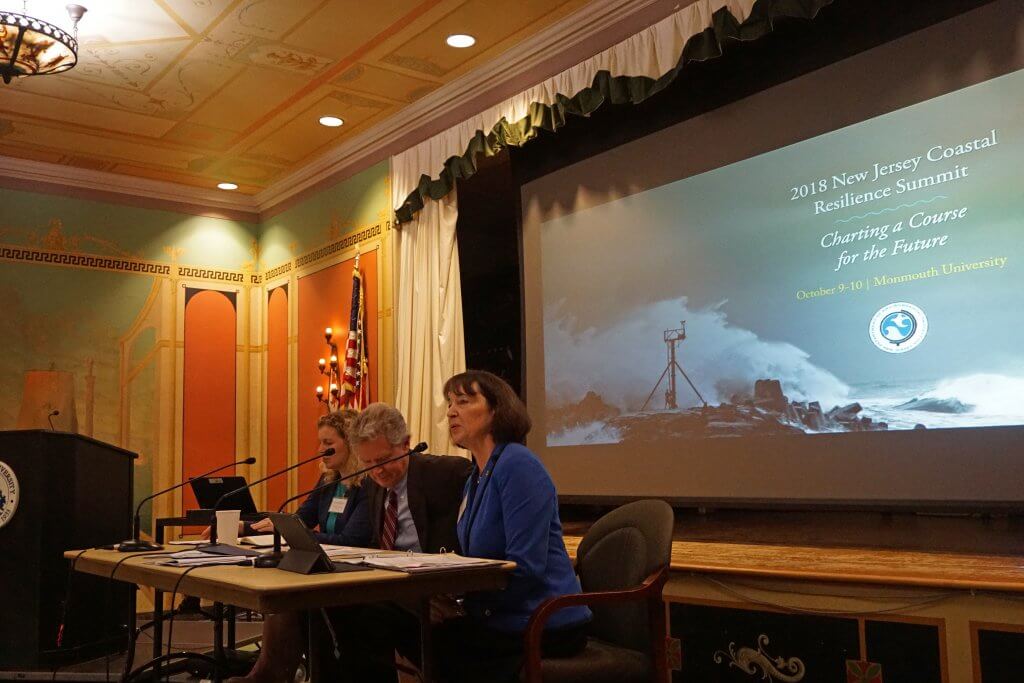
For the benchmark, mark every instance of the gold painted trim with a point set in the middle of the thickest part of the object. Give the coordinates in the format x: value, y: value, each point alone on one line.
x: 153, y: 352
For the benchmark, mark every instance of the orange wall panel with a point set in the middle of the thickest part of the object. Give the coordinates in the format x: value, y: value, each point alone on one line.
x: 277, y: 394
x: 208, y: 430
x: 324, y: 301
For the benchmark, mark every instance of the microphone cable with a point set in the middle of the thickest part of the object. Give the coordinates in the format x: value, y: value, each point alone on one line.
x: 170, y: 623
x: 64, y: 606
x: 130, y: 648
x: 69, y: 594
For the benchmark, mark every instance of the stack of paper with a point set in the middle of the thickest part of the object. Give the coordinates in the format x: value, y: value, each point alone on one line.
x: 196, y: 558
x: 424, y: 562
x: 346, y: 552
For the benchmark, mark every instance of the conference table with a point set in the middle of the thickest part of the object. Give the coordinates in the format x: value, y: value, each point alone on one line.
x: 274, y: 590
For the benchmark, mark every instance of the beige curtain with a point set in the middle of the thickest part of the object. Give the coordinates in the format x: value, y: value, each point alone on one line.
x: 428, y: 307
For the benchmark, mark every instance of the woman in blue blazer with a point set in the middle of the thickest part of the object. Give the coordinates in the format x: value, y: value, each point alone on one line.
x: 509, y: 512
x: 341, y: 516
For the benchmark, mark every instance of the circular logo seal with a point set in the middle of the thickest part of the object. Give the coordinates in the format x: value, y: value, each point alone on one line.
x: 8, y: 493
x: 898, y: 327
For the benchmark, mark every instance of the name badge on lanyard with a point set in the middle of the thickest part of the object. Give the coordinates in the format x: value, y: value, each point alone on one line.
x: 338, y: 505
x: 477, y: 493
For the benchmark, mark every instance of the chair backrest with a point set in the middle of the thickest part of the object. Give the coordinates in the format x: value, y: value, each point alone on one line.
x: 618, y: 552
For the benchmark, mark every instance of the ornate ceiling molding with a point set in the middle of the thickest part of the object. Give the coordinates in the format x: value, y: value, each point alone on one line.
x: 25, y: 174
x: 553, y: 49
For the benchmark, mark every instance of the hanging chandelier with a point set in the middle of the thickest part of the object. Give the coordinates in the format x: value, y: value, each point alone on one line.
x: 33, y: 47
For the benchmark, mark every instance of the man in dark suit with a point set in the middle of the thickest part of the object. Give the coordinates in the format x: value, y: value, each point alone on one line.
x: 413, y: 505
x: 427, y: 489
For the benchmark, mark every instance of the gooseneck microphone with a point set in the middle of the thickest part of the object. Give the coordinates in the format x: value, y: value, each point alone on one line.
x: 136, y: 545
x: 418, y: 448
x: 222, y: 549
x: 49, y: 418
x: 271, y: 559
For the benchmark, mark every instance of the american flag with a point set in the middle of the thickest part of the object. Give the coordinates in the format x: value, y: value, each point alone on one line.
x: 355, y: 382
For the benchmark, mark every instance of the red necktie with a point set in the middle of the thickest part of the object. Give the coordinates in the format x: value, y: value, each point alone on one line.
x: 389, y: 530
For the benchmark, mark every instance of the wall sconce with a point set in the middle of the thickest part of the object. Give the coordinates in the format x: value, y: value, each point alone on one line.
x: 329, y: 393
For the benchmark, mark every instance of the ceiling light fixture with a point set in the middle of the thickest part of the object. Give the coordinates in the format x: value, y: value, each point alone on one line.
x: 461, y: 40
x: 227, y: 186
x: 330, y: 121
x: 33, y: 47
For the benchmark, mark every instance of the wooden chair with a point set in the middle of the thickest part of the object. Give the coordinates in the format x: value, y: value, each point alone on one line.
x: 622, y: 563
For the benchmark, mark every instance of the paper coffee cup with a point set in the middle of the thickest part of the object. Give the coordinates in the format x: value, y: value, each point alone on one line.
x: 227, y: 526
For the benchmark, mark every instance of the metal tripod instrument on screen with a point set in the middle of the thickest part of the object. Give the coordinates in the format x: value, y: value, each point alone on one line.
x: 672, y: 338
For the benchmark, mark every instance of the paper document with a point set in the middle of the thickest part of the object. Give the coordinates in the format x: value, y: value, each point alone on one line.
x: 260, y: 541
x: 196, y: 558
x: 346, y: 551
x: 425, y: 562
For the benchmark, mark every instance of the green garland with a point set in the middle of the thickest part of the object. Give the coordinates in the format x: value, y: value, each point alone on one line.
x: 605, y: 88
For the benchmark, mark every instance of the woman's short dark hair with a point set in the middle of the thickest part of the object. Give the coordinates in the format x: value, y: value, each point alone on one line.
x: 511, y: 422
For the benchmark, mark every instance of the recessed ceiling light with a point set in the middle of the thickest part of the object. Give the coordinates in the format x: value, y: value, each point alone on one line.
x: 227, y: 186
x: 330, y: 121
x: 461, y: 40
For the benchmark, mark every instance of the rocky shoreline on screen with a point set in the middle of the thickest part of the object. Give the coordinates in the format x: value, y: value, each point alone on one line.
x: 766, y: 411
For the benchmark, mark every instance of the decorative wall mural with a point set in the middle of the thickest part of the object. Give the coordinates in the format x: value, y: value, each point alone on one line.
x: 94, y: 314
x: 759, y: 662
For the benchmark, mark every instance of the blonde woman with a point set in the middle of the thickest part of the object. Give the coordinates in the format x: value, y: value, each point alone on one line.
x: 340, y: 514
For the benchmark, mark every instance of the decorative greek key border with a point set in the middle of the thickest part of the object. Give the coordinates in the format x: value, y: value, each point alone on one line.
x: 335, y: 247
x: 76, y: 260
x: 279, y: 270
x: 10, y: 252
x: 211, y: 274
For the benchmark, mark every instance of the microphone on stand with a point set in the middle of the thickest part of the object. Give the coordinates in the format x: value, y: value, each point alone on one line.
x: 224, y: 549
x: 271, y: 559
x: 136, y: 545
x: 49, y: 418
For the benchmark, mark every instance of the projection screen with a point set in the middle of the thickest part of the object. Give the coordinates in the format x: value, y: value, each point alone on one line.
x: 809, y: 295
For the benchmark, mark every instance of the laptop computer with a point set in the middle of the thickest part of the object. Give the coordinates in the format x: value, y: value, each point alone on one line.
x: 208, y: 491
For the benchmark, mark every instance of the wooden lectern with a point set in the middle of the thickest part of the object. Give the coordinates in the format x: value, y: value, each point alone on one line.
x: 72, y: 492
